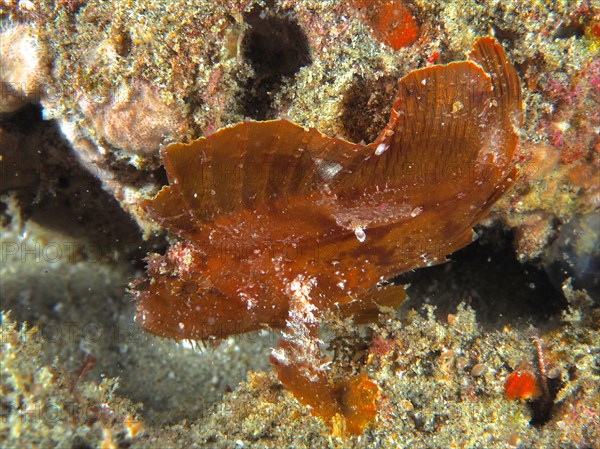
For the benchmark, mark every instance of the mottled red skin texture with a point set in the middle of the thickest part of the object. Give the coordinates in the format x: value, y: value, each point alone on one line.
x: 279, y: 224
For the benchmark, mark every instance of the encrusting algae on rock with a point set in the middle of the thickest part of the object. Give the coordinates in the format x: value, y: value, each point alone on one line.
x: 281, y: 225
x: 392, y: 22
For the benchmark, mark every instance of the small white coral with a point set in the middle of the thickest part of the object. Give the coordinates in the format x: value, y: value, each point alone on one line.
x: 20, y: 68
x: 134, y: 119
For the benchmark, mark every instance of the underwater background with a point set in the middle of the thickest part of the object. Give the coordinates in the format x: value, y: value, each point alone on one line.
x: 498, y: 347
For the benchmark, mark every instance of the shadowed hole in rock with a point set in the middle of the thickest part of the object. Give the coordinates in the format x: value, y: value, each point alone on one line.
x: 275, y: 47
x: 575, y: 254
x: 569, y: 28
x: 542, y: 408
x: 488, y: 277
x: 80, y: 443
x: 366, y: 107
x: 56, y: 192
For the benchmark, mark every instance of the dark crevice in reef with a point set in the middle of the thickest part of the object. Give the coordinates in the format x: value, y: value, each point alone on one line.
x: 53, y: 190
x: 276, y: 48
x: 487, y: 276
x: 575, y: 254
x: 80, y: 443
x: 570, y: 28
x: 506, y: 36
x: 541, y: 408
x: 366, y: 107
